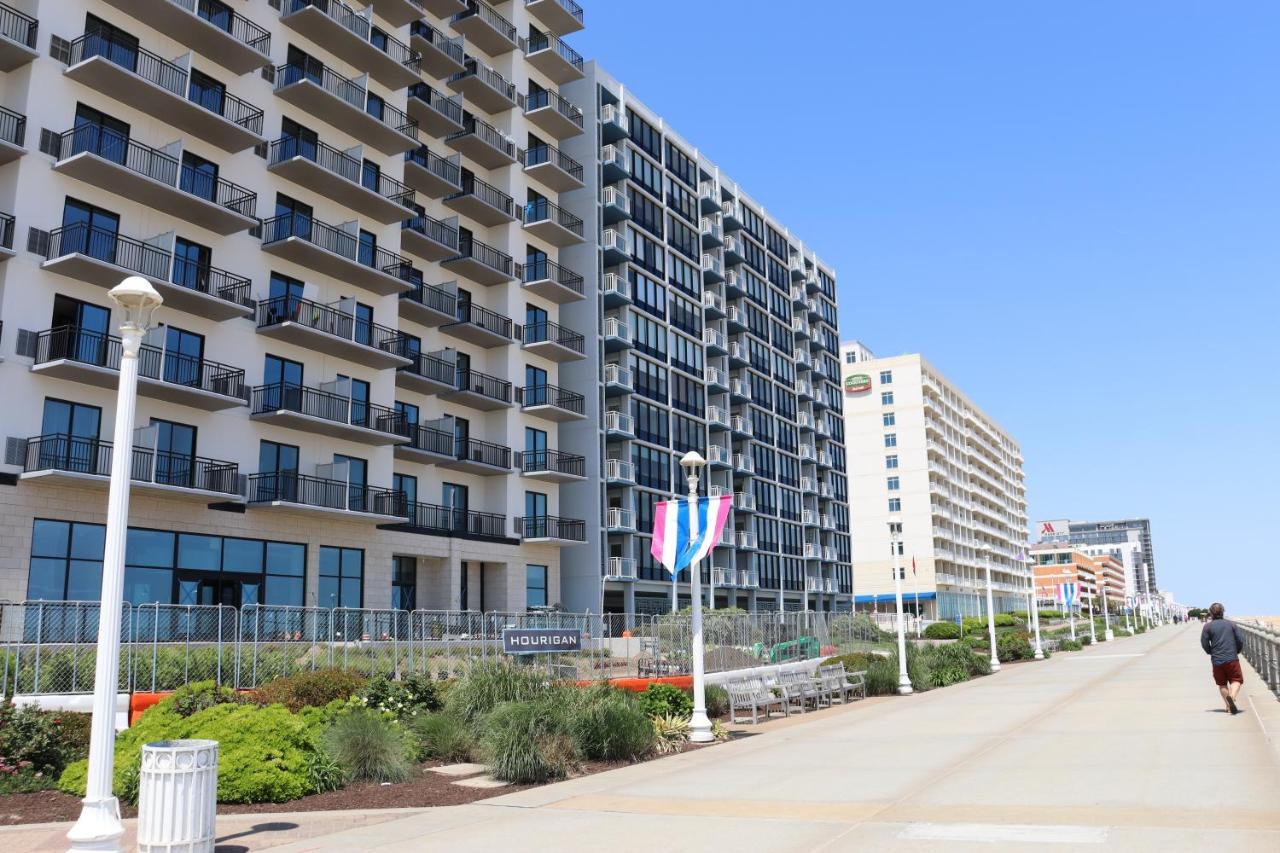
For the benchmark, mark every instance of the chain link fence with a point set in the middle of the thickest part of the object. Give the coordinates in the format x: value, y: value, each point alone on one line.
x: 51, y: 647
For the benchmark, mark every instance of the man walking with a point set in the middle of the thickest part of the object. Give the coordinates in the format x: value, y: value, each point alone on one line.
x: 1222, y: 640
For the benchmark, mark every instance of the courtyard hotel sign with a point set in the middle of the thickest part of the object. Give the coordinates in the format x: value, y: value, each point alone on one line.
x: 857, y: 383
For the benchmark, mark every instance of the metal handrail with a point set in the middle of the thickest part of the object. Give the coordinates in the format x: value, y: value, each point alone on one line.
x: 110, y: 247
x: 438, y: 101
x: 487, y: 193
x: 491, y: 78
x: 313, y: 402
x: 349, y: 91
x: 546, y: 330
x: 13, y: 127
x: 541, y: 210
x: 544, y: 268
x: 326, y: 318
x: 360, y: 26
x: 86, y: 455
x: 543, y: 41
x: 304, y: 489
x: 446, y: 519
x: 431, y: 367
x: 574, y: 10
x: 489, y: 16
x: 435, y: 298
x: 484, y: 452
x: 551, y: 395
x: 231, y: 22
x: 340, y: 163
x: 485, y: 254
x: 471, y: 125
x: 570, y: 464
x: 551, y: 526
x: 430, y: 439
x: 547, y: 98
x: 335, y: 240
x: 445, y: 170
x: 483, y: 384
x: 544, y: 153
x: 472, y: 314
x: 450, y: 47
x: 17, y: 26
x: 433, y: 229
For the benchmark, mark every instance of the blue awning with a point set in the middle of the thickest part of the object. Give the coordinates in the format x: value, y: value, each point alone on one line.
x: 907, y: 597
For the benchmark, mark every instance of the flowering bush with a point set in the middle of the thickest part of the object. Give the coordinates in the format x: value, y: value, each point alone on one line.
x: 404, y: 698
x: 35, y: 745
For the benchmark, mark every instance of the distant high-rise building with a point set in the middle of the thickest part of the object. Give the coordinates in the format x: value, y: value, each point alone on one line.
x: 1129, y: 540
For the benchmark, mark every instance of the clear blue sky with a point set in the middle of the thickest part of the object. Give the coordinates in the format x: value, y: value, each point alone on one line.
x: 1071, y: 208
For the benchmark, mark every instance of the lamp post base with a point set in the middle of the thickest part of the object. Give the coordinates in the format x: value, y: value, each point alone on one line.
x: 995, y: 665
x: 700, y: 727
x: 98, y: 829
x: 1039, y: 653
x: 905, y: 689
x: 1109, y: 635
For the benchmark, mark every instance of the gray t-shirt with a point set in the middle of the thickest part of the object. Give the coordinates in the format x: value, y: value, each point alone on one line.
x: 1222, y: 639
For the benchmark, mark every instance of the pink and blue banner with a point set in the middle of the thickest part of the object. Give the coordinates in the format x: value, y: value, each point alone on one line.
x: 672, y: 544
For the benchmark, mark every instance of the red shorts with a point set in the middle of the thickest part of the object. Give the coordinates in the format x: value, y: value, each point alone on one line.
x: 1224, y: 673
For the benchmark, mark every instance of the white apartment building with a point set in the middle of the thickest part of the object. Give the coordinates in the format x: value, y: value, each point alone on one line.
x: 356, y: 218
x: 922, y: 454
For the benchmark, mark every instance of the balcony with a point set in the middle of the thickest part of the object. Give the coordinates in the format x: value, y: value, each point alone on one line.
x: 808, y: 517
x: 351, y: 36
x: 478, y: 457
x: 445, y: 521
x: 613, y: 162
x: 482, y: 263
x: 618, y: 424
x: 483, y: 87
x: 614, y: 205
x: 345, y: 104
x: 712, y: 235
x: 551, y: 403
x: 550, y: 528
x: 745, y: 540
x: 552, y: 223
x: 717, y: 418
x: 617, y: 379
x: 613, y: 123
x: 119, y: 69
x: 739, y: 390
x: 716, y: 378
x: 620, y: 568
x: 92, y: 358
x: 744, y: 502
x: 743, y: 463
x: 13, y: 135
x: 324, y: 411
x: 436, y: 114
x: 804, y: 389
x: 554, y: 58
x: 616, y: 246
x: 401, y: 12
x: 617, y: 335
x: 441, y: 55
x: 811, y: 552
x: 740, y: 425
x: 431, y: 174
x: 713, y: 340
x: 829, y: 555
x: 800, y: 328
x: 428, y: 373
x: 615, y: 290
x: 553, y: 168
x: 731, y: 212
x: 712, y: 270
x: 797, y: 297
x: 428, y: 238
x: 735, y: 285
x: 6, y: 236
x: 619, y: 472
x: 719, y: 457
x: 482, y: 202
x: 335, y: 252
x: 809, y: 485
x: 748, y: 578
x: 430, y: 305
x: 618, y: 520
x: 485, y: 28
x: 103, y: 258
x: 17, y: 38
x: 483, y: 143
x: 81, y: 461
x: 479, y: 326
x: 736, y: 318
x: 713, y: 307
x: 552, y: 466
x: 331, y: 329
x: 117, y: 164
x: 560, y: 16
x: 709, y: 197
x: 551, y: 281
x: 553, y: 113
x: 289, y: 490
x: 479, y: 390
x: 804, y: 420
x: 553, y: 341
x: 341, y: 177
x: 212, y: 30
x: 427, y: 445
x: 733, y: 249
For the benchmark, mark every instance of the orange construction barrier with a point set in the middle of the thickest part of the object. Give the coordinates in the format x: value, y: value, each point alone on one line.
x: 139, y: 702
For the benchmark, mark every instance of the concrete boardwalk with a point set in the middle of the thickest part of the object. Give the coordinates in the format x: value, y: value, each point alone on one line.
x: 1121, y: 746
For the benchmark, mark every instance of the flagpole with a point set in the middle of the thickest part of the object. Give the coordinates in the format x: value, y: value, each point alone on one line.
x: 699, y: 724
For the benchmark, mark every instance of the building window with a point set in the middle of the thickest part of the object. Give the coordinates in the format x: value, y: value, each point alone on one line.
x: 341, y: 577
x: 886, y: 398
x: 891, y: 461
x: 890, y: 439
x: 535, y: 586
x: 889, y: 419
x: 886, y: 377
x: 895, y: 504
x: 894, y: 485
x: 850, y: 357
x: 404, y: 583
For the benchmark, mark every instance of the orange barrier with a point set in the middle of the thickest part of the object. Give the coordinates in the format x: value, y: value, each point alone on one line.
x: 139, y: 702
x: 639, y: 685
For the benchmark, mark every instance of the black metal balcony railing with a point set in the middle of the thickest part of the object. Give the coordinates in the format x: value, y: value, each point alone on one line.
x: 543, y: 41
x: 486, y: 254
x: 6, y: 231
x: 434, y: 37
x: 448, y: 107
x: 13, y: 127
x: 483, y: 384
x: 489, y: 16
x: 543, y: 210
x: 487, y: 193
x: 486, y: 132
x: 541, y: 268
x: 547, y: 331
x: 334, y: 240
x: 568, y: 5
x: 85, y: 455
x: 326, y: 318
x: 433, y: 229
x: 448, y: 521
x: 550, y: 154
x: 18, y: 27
x: 551, y: 527
x: 352, y: 93
x: 173, y: 78
x: 540, y: 98
x: 211, y: 280
x: 157, y: 165
x: 483, y: 452
x: 359, y: 25
x: 429, y: 439
x: 432, y: 367
x: 570, y: 464
x: 435, y: 298
x: 550, y: 395
x: 435, y: 164
x: 285, y: 397
x: 85, y: 346
x: 236, y: 25
x: 491, y: 78
x: 295, y: 488
x: 481, y: 317
x: 342, y: 164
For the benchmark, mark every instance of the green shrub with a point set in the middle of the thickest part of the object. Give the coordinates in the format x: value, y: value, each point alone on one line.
x: 443, y: 737
x: 36, y: 745
x: 1050, y: 614
x: 670, y: 733
x: 192, y: 698
x: 1005, y: 620
x: 406, y: 697
x: 717, y: 699
x: 973, y: 625
x: 918, y: 667
x: 977, y: 643
x: 949, y: 664
x: 313, y: 689
x: 527, y: 742
x: 1069, y: 645
x: 882, y: 676
x: 1019, y: 614
x: 486, y: 685
x: 607, y: 724
x: 666, y: 700
x: 854, y: 661
x: 369, y: 747
x: 1014, y: 646
x: 942, y: 631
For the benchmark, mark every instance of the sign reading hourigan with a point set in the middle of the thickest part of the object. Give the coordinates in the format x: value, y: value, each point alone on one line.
x: 857, y: 383
x: 532, y: 641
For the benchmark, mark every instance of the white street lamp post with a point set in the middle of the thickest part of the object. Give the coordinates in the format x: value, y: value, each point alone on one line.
x: 99, y: 828
x: 1093, y: 631
x: 1034, y: 613
x: 699, y: 724
x: 991, y: 616
x: 1107, y: 633
x: 904, y: 681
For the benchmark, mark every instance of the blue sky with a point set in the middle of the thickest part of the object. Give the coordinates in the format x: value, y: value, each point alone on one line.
x: 1071, y: 208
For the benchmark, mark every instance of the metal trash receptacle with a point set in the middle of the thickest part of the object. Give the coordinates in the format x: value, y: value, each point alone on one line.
x: 178, y: 796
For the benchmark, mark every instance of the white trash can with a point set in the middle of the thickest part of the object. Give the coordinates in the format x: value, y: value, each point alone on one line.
x: 178, y: 796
